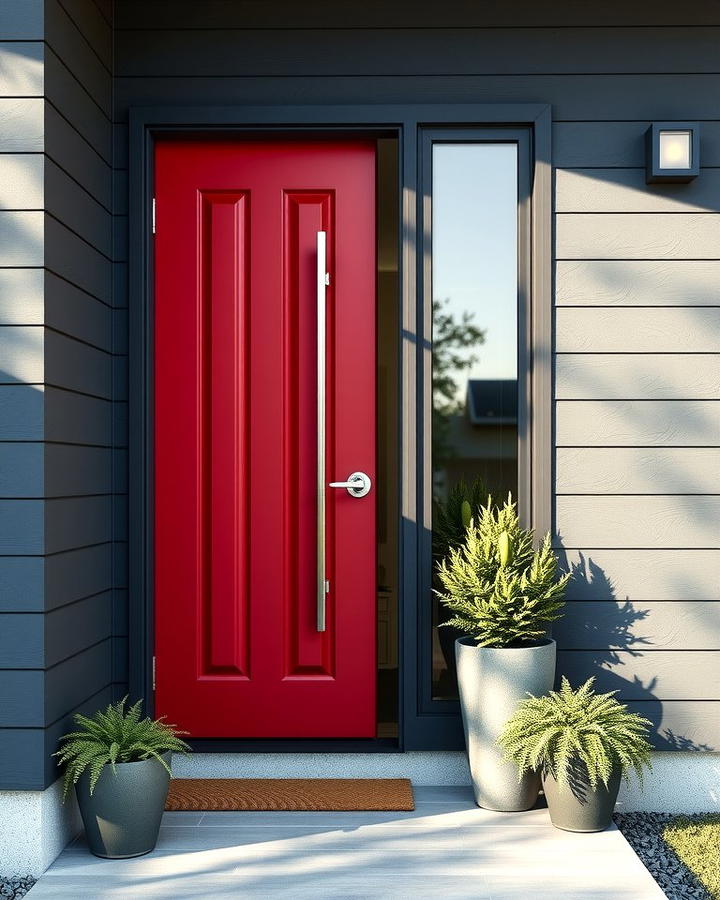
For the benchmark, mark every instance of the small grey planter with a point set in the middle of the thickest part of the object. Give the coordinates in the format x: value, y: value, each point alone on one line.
x: 122, y: 816
x: 492, y: 681
x: 577, y: 806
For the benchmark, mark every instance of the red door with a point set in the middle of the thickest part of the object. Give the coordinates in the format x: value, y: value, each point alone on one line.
x: 254, y: 409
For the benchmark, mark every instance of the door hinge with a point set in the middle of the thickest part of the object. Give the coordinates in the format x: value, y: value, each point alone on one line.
x: 153, y: 215
x: 153, y: 673
x: 327, y: 278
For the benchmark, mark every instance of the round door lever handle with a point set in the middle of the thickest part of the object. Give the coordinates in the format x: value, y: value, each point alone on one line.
x: 357, y: 485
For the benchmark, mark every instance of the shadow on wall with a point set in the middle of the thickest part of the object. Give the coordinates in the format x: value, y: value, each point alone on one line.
x: 608, y: 638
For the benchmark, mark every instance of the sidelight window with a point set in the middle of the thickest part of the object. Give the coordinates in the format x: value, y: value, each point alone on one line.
x: 474, y: 369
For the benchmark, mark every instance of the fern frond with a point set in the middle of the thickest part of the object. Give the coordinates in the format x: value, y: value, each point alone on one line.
x: 113, y: 736
x: 567, y: 728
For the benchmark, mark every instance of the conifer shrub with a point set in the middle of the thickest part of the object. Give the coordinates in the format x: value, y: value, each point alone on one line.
x: 500, y: 589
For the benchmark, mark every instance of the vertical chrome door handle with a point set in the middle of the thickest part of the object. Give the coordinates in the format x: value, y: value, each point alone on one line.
x: 322, y: 585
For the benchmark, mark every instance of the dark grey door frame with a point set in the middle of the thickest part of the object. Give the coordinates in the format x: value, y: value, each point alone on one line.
x: 421, y: 727
x: 522, y: 138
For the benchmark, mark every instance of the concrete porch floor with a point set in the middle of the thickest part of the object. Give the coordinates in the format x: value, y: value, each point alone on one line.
x: 446, y: 848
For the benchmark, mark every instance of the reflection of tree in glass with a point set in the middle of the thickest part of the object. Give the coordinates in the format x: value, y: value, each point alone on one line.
x: 451, y: 341
x: 451, y: 516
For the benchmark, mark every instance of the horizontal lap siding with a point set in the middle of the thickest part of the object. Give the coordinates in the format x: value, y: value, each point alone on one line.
x: 186, y: 14
x: 654, y: 672
x: 574, y: 98
x: 638, y: 423
x: 637, y: 288
x: 639, y: 575
x: 624, y: 190
x: 22, y: 397
x: 638, y: 376
x: 637, y: 387
x: 82, y: 510
x: 652, y: 283
x: 637, y: 236
x: 606, y: 626
x: 650, y: 521
x: 619, y: 145
x: 637, y: 470
x: 58, y: 512
x: 470, y: 51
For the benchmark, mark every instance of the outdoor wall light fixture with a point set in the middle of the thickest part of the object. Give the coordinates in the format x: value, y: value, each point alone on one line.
x: 672, y: 152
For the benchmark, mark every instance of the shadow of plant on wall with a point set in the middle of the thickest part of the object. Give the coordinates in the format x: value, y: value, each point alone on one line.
x: 598, y: 640
x: 614, y: 630
x: 612, y: 627
x: 672, y: 741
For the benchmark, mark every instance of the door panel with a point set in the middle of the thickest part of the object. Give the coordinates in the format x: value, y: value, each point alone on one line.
x: 238, y: 653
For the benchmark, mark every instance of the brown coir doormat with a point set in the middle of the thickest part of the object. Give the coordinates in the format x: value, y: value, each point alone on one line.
x: 299, y: 794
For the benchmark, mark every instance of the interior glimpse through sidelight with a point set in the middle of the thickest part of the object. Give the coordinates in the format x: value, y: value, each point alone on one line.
x: 388, y: 306
x: 475, y: 343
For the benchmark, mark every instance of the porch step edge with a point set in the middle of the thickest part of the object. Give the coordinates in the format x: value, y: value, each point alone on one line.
x: 422, y: 767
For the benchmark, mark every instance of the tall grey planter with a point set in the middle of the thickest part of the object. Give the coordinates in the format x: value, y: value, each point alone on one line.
x: 122, y: 815
x: 492, y: 681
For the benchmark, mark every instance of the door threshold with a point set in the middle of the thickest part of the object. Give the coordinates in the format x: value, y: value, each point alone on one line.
x: 295, y: 745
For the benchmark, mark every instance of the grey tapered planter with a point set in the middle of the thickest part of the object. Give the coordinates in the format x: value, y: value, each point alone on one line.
x: 492, y: 681
x: 122, y: 816
x: 577, y: 806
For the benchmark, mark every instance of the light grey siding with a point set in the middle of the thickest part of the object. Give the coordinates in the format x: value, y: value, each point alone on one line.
x: 638, y: 423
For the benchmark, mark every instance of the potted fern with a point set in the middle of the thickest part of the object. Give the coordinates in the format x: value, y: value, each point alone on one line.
x: 503, y: 594
x: 120, y: 766
x: 583, y: 743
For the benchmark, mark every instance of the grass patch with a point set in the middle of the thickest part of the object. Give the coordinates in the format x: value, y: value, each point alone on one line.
x: 696, y: 842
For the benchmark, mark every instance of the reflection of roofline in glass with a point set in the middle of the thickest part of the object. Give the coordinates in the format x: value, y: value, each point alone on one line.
x: 492, y: 401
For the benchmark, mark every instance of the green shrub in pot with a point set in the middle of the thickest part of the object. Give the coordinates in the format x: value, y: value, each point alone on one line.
x: 451, y: 517
x: 119, y: 764
x: 582, y: 743
x: 503, y: 593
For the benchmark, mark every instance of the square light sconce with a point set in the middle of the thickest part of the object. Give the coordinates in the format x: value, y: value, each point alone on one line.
x: 672, y: 152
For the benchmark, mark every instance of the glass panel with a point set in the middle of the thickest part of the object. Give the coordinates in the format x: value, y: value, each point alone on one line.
x: 475, y: 343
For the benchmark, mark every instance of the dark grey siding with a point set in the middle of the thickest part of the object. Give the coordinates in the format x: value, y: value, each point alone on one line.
x: 82, y: 513
x: 637, y: 417
x: 56, y: 378
x: 22, y: 400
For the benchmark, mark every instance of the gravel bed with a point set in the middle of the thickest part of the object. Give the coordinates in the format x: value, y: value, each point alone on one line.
x: 643, y: 831
x: 11, y: 888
